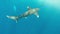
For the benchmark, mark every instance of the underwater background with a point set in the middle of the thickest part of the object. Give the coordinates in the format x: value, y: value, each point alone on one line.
x: 47, y: 23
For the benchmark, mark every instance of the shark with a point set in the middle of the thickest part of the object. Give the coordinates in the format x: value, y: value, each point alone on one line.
x: 30, y: 11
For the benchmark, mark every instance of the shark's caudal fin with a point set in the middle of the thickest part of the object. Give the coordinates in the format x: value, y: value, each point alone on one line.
x: 12, y: 17
x: 36, y: 14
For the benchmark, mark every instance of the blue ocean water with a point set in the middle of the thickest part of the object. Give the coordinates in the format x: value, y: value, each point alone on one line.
x: 47, y: 23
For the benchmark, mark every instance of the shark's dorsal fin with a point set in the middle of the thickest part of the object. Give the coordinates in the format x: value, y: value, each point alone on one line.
x: 28, y: 7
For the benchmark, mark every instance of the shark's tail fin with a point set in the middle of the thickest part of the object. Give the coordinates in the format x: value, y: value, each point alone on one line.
x: 16, y: 20
x: 13, y: 18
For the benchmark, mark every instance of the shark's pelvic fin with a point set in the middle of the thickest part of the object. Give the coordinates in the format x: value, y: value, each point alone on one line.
x: 36, y: 14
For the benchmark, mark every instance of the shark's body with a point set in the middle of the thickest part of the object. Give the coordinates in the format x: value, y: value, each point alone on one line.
x: 27, y: 13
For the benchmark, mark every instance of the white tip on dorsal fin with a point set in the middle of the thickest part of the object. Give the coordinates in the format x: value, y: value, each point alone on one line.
x: 28, y: 7
x: 36, y: 14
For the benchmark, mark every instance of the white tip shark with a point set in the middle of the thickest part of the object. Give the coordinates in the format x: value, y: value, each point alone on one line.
x: 30, y: 11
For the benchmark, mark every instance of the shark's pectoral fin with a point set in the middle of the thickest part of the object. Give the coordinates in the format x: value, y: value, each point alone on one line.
x: 36, y: 14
